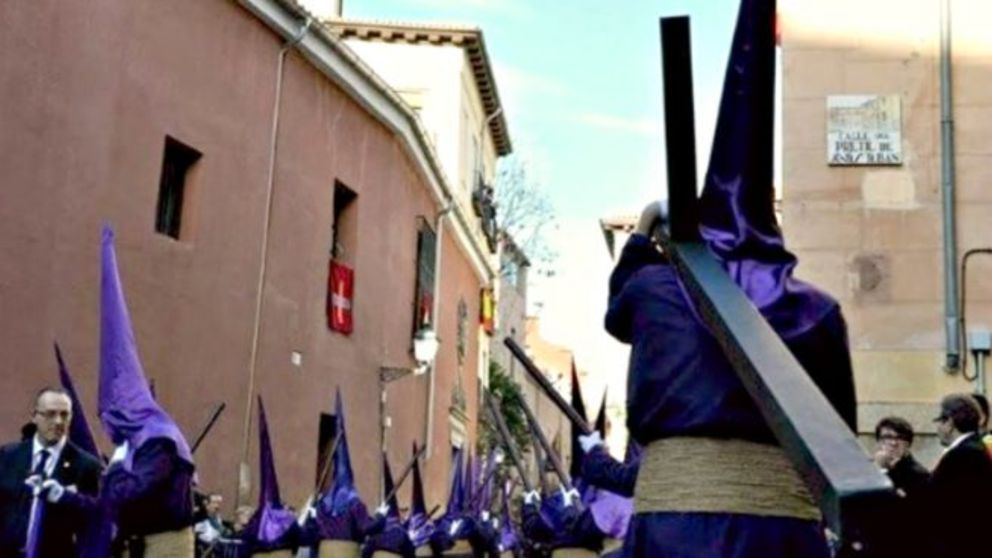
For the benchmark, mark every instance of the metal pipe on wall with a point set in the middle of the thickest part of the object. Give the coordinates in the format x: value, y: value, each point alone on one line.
x: 952, y: 329
x: 266, y: 225
x: 435, y: 313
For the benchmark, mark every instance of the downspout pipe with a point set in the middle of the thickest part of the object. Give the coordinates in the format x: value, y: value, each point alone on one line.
x: 952, y: 310
x: 264, y: 253
x: 435, y: 312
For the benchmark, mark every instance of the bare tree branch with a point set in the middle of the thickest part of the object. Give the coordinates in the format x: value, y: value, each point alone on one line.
x: 524, y: 213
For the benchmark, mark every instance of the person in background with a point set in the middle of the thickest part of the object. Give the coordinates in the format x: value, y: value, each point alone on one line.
x: 46, y: 470
x: 904, y: 524
x: 894, y: 438
x: 963, y: 476
x: 212, y: 527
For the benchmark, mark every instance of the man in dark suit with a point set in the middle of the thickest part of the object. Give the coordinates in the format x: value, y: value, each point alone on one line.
x: 49, y: 465
x: 963, y: 476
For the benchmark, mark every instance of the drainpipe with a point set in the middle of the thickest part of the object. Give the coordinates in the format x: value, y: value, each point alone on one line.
x: 952, y: 330
x: 266, y: 225
x: 435, y: 312
x: 439, y: 227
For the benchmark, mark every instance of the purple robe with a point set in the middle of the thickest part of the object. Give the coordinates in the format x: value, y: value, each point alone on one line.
x: 389, y: 535
x: 599, y: 469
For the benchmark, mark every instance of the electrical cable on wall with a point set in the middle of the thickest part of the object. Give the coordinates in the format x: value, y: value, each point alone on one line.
x: 963, y: 334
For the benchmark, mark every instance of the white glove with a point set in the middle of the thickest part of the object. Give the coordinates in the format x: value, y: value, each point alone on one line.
x: 590, y: 441
x: 495, y: 523
x: 306, y: 512
x: 532, y: 497
x: 454, y: 527
x: 305, y: 515
x: 120, y: 452
x: 34, y: 483
x: 382, y: 510
x: 484, y: 515
x: 569, y: 496
x: 54, y: 490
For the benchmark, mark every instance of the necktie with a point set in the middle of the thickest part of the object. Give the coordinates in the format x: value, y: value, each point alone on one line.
x: 39, y: 468
x: 37, y: 509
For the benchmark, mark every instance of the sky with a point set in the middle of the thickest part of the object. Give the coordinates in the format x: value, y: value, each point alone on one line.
x: 580, y: 83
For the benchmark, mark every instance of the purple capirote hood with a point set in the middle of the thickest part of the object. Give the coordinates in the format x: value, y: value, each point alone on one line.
x: 341, y: 495
x: 456, y: 496
x: 127, y: 409
x: 419, y: 526
x: 737, y: 214
x: 79, y: 429
x: 271, y: 522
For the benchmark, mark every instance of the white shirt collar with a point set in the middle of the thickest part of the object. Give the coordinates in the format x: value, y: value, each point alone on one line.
x: 54, y: 450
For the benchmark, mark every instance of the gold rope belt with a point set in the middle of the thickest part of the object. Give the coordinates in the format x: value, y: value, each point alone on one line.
x: 337, y: 549
x: 384, y: 554
x: 284, y: 553
x: 712, y: 475
x: 573, y: 553
x: 171, y: 544
x: 610, y: 544
x: 461, y: 548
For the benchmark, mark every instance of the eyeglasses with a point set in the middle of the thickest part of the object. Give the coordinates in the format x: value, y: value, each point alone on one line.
x: 53, y: 414
x: 941, y: 418
x: 891, y: 438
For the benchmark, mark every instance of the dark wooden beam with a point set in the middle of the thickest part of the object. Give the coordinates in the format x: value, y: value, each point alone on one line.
x: 680, y: 134
x: 542, y: 382
x: 849, y: 489
x: 508, y: 444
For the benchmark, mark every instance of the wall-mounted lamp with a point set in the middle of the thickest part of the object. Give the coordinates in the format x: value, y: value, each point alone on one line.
x: 425, y: 346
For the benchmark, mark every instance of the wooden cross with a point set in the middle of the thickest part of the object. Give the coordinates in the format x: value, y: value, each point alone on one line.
x: 849, y: 489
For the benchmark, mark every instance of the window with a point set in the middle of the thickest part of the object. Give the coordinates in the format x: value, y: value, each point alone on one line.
x: 341, y: 273
x: 344, y: 230
x: 424, y: 300
x: 176, y: 165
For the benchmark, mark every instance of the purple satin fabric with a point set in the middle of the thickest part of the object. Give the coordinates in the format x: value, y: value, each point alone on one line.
x: 612, y: 513
x: 508, y: 539
x: 272, y: 523
x: 393, y: 538
x: 791, y: 306
x: 271, y: 528
x: 275, y: 523
x: 347, y: 524
x: 126, y: 406
x: 419, y: 529
x: 737, y: 217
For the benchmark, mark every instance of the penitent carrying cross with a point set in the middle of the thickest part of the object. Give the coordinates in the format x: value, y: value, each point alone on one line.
x: 849, y: 490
